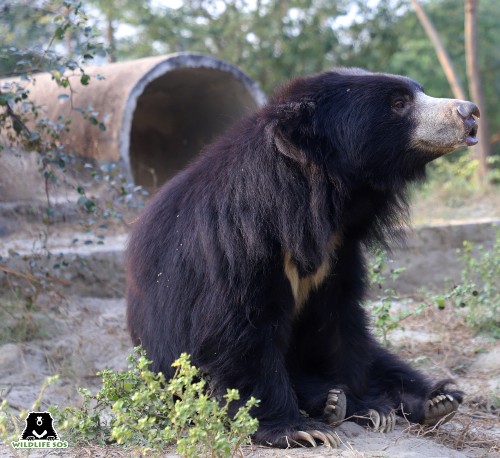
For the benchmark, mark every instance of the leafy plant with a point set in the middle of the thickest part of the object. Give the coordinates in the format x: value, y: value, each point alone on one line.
x: 140, y: 408
x: 385, y: 320
x: 479, y: 293
x: 25, y: 127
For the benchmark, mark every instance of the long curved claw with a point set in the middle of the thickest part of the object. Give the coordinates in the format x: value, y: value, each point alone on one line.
x: 440, y: 409
x: 328, y: 439
x: 375, y: 419
x: 320, y: 436
x: 303, y: 436
x: 392, y: 421
x: 333, y: 439
x: 381, y: 422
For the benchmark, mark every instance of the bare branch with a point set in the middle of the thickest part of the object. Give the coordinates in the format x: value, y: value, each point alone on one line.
x: 17, y: 122
x: 444, y: 58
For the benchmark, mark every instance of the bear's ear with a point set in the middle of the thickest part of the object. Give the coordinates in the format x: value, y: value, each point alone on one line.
x: 287, y: 148
x: 290, y: 123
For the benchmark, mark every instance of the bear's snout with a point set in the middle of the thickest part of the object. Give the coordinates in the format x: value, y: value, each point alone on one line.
x: 442, y: 125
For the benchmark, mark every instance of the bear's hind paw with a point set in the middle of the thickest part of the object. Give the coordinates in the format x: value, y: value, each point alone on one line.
x: 328, y: 439
x: 440, y: 409
x: 381, y: 422
x: 335, y: 408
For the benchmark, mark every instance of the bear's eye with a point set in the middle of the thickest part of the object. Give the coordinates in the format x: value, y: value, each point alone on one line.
x: 399, y: 104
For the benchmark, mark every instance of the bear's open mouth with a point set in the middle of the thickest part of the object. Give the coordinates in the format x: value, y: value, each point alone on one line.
x: 470, y: 137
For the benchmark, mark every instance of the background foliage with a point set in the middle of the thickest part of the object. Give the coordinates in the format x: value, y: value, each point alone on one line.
x: 270, y: 40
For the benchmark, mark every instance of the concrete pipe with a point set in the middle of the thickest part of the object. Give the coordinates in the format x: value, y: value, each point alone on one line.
x: 158, y: 111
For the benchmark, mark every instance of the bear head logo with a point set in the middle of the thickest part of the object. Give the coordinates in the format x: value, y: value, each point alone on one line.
x: 39, y: 426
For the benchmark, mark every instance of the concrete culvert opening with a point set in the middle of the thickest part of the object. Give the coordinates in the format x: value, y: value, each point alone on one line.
x: 157, y: 114
x: 179, y: 113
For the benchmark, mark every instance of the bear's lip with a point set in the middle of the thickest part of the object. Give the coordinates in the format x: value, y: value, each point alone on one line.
x: 470, y: 137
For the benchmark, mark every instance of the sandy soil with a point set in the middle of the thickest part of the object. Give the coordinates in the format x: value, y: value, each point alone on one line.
x: 451, y: 204
x: 78, y: 336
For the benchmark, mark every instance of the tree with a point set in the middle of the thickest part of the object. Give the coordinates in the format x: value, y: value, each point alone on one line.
x: 442, y: 54
x: 475, y: 86
x: 22, y: 26
x: 114, y: 13
x: 37, y: 35
x: 274, y: 41
x: 271, y: 40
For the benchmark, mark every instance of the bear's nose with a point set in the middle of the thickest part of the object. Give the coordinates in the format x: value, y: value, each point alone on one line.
x: 467, y: 109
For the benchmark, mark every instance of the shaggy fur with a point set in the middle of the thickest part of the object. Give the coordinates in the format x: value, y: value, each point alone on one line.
x: 326, y: 159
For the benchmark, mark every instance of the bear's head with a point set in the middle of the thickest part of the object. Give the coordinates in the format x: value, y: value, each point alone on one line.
x: 375, y: 127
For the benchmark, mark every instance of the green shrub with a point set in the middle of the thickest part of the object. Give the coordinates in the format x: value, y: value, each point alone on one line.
x: 384, y: 318
x: 138, y: 408
x: 478, y: 295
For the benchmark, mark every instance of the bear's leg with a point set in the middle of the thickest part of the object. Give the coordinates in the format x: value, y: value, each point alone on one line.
x: 332, y: 342
x: 333, y: 404
x: 280, y: 422
x: 321, y: 399
x: 391, y: 389
x: 258, y: 369
x: 379, y: 383
x: 332, y: 349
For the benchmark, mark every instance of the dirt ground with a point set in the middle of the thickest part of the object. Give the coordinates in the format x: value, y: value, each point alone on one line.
x: 78, y: 336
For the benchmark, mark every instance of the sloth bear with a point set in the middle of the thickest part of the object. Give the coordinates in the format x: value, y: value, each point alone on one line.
x: 251, y: 258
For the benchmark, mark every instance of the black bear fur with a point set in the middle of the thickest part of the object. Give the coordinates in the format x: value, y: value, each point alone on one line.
x: 326, y: 157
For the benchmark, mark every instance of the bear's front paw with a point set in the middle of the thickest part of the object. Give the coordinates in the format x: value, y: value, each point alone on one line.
x: 440, y: 409
x: 335, y: 408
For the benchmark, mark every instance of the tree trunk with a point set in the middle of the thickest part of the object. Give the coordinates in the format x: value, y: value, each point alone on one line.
x: 444, y: 58
x: 482, y: 149
x: 110, y: 37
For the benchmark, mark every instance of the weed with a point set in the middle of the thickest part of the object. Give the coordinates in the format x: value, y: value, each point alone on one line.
x: 478, y: 295
x: 384, y: 319
x: 139, y: 408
